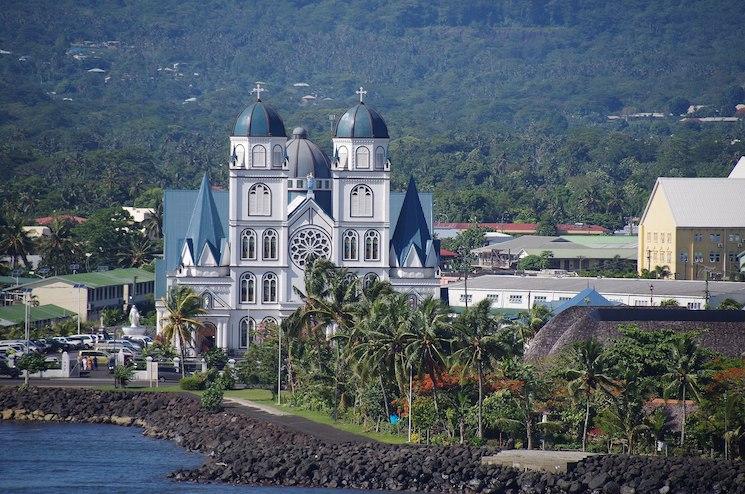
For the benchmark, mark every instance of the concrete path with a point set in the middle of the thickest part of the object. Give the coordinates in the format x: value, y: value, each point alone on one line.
x: 252, y: 404
x: 325, y: 433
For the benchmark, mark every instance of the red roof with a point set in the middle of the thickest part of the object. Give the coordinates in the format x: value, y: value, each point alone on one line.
x: 447, y: 253
x: 497, y: 227
x: 46, y: 220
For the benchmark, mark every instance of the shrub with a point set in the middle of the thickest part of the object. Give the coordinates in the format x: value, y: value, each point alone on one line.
x: 212, y: 397
x: 216, y: 358
x: 194, y: 382
x: 122, y: 375
x: 227, y: 380
x: 32, y: 362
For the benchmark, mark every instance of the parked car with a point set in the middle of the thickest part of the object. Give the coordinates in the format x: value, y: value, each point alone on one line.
x: 56, y: 346
x: 143, y: 341
x: 6, y: 370
x: 136, y: 348
x: 168, y: 372
x: 102, y: 357
x: 115, y: 347
x: 86, y: 340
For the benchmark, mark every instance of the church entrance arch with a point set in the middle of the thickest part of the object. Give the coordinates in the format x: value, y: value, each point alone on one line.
x: 205, y: 338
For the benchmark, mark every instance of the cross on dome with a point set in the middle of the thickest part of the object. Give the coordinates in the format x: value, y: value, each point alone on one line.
x: 361, y: 92
x: 258, y: 90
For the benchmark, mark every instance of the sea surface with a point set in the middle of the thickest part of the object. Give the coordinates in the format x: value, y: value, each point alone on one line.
x: 49, y: 458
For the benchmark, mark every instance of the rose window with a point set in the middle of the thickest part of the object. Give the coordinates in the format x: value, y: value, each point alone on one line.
x: 307, y: 244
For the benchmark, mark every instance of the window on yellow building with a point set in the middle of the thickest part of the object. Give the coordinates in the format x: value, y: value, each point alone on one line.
x: 649, y: 237
x: 714, y: 256
x: 715, y: 237
x: 684, y: 257
x: 669, y: 238
x: 655, y: 237
x: 698, y: 237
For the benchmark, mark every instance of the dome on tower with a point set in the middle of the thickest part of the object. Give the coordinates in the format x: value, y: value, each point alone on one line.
x: 305, y: 157
x: 259, y: 120
x: 361, y: 121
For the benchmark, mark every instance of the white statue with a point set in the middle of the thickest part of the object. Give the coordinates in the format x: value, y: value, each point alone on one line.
x: 134, y: 317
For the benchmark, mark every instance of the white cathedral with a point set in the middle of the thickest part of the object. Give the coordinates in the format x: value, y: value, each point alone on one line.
x: 287, y: 202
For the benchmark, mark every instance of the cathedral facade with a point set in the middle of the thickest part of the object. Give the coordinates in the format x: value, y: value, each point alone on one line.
x: 287, y: 203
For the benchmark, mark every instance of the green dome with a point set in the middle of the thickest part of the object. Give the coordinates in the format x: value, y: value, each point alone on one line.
x: 361, y: 121
x: 259, y: 120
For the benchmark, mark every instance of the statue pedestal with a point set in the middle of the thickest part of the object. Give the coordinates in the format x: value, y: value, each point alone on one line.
x: 133, y: 330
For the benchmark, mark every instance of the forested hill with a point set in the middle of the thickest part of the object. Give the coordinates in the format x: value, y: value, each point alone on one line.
x: 500, y: 106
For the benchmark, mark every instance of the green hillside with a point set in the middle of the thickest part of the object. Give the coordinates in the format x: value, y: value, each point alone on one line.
x: 500, y: 107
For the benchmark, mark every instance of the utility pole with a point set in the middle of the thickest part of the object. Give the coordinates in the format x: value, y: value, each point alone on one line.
x: 26, y: 299
x: 651, y: 295
x: 706, y: 290
x: 279, y: 365
x: 411, y: 411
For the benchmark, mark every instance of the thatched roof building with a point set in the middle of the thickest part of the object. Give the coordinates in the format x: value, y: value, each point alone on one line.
x: 722, y: 331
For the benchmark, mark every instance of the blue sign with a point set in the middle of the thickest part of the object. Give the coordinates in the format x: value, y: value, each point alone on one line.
x: 393, y: 419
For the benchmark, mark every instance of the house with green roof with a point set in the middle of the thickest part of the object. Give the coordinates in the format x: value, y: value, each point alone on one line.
x: 88, y: 294
x: 42, y: 315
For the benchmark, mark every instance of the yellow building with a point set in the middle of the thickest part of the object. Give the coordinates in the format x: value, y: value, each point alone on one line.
x: 695, y: 226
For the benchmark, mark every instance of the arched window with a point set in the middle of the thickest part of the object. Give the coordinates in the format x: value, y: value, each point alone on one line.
x: 259, y: 200
x: 269, y: 288
x: 239, y: 154
x: 343, y: 156
x: 368, y: 280
x: 362, y: 157
x: 350, y: 245
x: 207, y: 300
x: 248, y: 244
x: 379, y: 158
x: 269, y: 245
x: 269, y: 321
x: 258, y: 156
x: 278, y: 156
x: 248, y: 288
x: 361, y: 201
x: 246, y: 330
x: 372, y: 246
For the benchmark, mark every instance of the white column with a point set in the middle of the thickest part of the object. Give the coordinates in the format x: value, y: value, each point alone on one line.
x: 218, y: 336
x: 224, y: 339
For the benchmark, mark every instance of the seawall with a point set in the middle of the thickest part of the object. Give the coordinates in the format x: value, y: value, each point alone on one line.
x: 241, y: 449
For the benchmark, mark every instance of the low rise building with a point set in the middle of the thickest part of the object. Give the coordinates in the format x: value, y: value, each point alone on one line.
x: 450, y: 230
x: 38, y: 316
x: 568, y: 252
x: 693, y: 228
x: 88, y: 294
x: 523, y: 292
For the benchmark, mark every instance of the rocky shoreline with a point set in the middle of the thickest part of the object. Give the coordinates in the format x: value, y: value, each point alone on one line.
x: 243, y: 450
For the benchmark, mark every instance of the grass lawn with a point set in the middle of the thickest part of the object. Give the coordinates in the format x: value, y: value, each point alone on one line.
x: 264, y: 397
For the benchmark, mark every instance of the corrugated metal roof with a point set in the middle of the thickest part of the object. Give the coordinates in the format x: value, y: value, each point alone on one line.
x: 606, y: 286
x: 576, y: 251
x: 16, y: 314
x: 705, y: 202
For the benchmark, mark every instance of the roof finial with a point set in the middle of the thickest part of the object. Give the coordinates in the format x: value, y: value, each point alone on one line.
x: 361, y: 92
x: 258, y: 90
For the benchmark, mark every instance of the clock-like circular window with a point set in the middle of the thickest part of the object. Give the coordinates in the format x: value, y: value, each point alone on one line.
x: 310, y: 243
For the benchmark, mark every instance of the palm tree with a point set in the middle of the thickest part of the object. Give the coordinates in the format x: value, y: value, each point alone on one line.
x: 586, y: 374
x: 183, y: 307
x: 427, y: 339
x: 14, y: 240
x: 479, y: 347
x: 58, y: 249
x: 153, y: 224
x: 685, y: 367
x: 139, y: 250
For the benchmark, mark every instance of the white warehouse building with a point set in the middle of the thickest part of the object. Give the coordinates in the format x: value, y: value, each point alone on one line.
x: 523, y: 292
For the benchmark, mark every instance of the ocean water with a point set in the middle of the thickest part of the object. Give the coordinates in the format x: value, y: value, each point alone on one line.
x: 49, y: 458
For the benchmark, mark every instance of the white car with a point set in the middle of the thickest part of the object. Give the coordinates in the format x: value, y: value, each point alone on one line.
x: 86, y: 340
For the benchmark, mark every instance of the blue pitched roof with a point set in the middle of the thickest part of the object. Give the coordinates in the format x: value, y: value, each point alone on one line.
x: 178, y: 206
x: 205, y: 226
x: 589, y: 297
x: 411, y: 230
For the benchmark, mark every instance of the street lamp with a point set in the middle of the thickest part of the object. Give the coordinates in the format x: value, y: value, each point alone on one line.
x: 27, y: 326
x: 79, y: 287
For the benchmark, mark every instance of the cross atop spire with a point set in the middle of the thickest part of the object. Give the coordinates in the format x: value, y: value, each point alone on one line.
x: 258, y: 90
x: 361, y: 92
